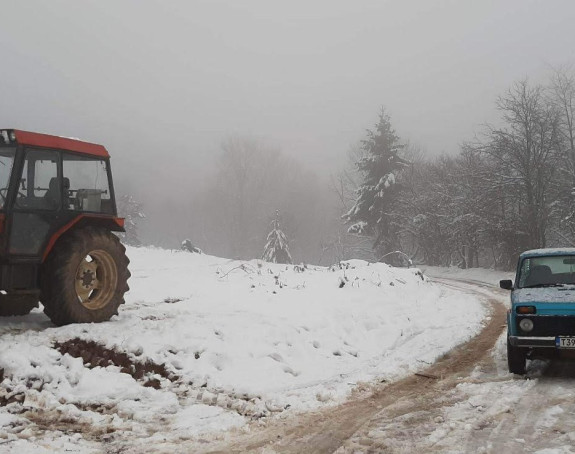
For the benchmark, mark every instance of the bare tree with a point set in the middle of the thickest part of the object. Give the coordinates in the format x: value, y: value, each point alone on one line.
x: 247, y: 172
x: 525, y: 154
x: 252, y: 180
x: 562, y: 98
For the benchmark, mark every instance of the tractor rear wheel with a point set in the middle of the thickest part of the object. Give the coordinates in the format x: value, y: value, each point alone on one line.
x: 18, y: 303
x: 85, y: 277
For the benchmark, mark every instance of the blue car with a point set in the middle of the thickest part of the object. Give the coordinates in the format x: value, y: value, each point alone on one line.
x: 541, y: 320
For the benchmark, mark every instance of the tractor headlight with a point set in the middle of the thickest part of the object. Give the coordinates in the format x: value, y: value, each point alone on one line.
x: 526, y: 325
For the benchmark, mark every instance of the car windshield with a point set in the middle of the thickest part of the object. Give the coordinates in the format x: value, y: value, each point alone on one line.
x: 547, y: 271
x: 6, y: 161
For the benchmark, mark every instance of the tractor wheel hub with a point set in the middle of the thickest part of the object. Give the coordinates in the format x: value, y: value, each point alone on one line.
x: 87, y: 278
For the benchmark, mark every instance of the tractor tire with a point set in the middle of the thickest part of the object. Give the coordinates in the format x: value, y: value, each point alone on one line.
x: 85, y: 277
x: 18, y: 304
x: 516, y: 359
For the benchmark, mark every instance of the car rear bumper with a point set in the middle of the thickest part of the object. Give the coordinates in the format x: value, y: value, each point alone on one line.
x: 533, y: 342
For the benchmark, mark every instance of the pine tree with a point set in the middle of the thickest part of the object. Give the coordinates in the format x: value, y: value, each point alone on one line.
x: 276, y: 249
x: 131, y: 211
x: 380, y: 164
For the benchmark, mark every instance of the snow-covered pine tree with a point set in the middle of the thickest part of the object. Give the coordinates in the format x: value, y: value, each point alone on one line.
x: 276, y: 249
x: 380, y: 165
x: 131, y: 211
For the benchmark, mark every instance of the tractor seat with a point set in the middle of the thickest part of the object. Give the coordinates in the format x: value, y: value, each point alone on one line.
x: 53, y: 194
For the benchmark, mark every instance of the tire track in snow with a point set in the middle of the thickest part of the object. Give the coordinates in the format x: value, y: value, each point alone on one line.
x: 347, y: 427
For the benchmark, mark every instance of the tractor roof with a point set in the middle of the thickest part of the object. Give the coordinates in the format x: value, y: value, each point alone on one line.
x: 63, y: 143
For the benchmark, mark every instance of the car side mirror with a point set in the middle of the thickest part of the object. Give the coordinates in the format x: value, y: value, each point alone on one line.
x: 506, y: 284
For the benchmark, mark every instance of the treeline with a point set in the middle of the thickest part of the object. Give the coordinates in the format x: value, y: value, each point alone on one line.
x: 510, y: 190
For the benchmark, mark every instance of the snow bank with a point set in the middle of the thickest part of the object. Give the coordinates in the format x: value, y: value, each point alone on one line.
x: 236, y: 340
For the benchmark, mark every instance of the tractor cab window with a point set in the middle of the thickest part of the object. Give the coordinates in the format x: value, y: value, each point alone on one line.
x: 6, y: 161
x: 86, y: 184
x: 39, y: 186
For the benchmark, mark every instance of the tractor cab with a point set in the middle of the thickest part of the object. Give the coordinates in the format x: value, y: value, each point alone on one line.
x: 49, y: 187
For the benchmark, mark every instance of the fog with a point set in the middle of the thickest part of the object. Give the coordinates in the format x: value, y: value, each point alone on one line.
x: 162, y: 84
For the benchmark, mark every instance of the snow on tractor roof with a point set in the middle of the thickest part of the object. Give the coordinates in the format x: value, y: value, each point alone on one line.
x: 64, y: 143
x: 548, y: 251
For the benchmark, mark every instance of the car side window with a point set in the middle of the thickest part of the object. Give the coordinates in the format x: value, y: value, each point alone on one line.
x: 525, y: 269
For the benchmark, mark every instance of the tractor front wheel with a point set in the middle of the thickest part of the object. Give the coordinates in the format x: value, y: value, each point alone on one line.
x: 85, y: 277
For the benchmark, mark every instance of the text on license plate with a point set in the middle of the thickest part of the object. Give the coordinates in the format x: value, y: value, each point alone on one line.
x: 565, y: 342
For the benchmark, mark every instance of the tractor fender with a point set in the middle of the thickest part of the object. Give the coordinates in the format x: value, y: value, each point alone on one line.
x: 114, y: 224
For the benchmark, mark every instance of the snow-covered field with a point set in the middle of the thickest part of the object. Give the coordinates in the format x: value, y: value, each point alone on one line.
x: 205, y: 344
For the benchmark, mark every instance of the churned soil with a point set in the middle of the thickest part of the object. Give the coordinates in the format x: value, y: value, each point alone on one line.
x: 94, y: 355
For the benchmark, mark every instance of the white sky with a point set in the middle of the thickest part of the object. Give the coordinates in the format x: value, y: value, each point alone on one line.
x: 144, y: 76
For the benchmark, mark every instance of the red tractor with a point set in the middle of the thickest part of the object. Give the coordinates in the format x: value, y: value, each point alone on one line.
x: 57, y: 215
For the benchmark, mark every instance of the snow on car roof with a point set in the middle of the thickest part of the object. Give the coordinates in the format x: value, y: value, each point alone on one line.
x: 548, y: 251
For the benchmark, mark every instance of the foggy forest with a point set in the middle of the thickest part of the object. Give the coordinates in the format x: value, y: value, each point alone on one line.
x: 509, y: 189
x: 230, y: 119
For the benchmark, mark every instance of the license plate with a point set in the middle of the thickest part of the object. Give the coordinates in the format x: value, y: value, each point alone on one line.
x: 565, y: 342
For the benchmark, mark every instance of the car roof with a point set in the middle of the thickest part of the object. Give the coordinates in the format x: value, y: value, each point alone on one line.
x: 548, y: 252
x: 62, y: 143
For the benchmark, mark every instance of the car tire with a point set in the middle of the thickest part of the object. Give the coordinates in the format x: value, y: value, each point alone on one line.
x: 516, y: 359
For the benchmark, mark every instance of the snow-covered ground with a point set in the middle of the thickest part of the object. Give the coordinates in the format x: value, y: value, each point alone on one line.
x: 205, y: 344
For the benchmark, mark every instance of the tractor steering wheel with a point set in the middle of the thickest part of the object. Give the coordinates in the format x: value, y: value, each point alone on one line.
x: 4, y: 193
